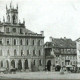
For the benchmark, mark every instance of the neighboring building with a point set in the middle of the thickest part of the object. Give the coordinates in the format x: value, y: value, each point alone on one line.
x: 19, y: 47
x: 78, y: 52
x: 60, y: 52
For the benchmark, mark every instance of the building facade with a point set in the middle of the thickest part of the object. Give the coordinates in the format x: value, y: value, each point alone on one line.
x: 61, y: 51
x: 78, y: 52
x: 19, y: 47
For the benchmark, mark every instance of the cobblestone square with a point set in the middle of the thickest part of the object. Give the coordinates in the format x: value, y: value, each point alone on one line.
x: 41, y: 75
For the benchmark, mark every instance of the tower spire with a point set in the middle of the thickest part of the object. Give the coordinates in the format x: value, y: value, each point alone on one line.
x: 3, y: 19
x: 17, y: 7
x: 23, y: 21
x: 11, y: 4
x: 6, y: 6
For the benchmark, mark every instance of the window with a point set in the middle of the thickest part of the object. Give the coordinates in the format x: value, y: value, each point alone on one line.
x: 39, y: 53
x: 15, y: 53
x: 26, y: 42
x: 7, y: 30
x: 21, y: 52
x: 21, y: 42
x: 1, y: 63
x: 34, y: 53
x: 0, y: 41
x: 0, y: 52
x: 21, y: 32
x: 8, y: 54
x: 33, y: 42
x: 40, y: 62
x: 14, y: 29
x: 14, y: 41
x: 27, y: 52
x: 34, y: 62
x: 39, y: 43
x: 8, y: 42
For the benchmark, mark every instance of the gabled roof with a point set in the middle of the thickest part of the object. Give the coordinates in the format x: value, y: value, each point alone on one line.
x: 48, y: 44
x: 78, y: 39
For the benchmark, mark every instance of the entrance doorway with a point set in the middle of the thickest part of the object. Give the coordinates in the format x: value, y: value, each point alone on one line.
x: 49, y: 65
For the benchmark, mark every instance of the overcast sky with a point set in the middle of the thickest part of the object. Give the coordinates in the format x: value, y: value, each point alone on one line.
x: 57, y: 18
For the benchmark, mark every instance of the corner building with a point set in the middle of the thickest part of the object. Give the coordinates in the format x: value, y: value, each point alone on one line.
x: 61, y: 52
x: 19, y: 47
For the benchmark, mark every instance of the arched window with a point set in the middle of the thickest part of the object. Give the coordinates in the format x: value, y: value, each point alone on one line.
x: 13, y: 64
x: 15, y: 53
x: 14, y: 41
x: 21, y: 42
x: 7, y: 62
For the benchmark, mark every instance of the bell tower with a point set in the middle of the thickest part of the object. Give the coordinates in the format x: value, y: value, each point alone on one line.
x: 12, y: 14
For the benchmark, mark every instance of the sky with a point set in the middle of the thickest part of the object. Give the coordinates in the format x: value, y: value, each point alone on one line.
x: 57, y: 18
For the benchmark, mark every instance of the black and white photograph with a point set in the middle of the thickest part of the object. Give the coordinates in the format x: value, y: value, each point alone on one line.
x: 39, y: 39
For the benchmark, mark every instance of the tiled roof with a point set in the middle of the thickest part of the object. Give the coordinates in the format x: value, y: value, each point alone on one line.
x: 61, y: 43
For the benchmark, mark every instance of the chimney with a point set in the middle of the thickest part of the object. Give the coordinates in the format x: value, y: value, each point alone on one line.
x: 51, y: 39
x: 42, y: 32
x: 64, y: 38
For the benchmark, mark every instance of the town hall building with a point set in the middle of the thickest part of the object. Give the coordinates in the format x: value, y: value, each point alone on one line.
x: 19, y: 47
